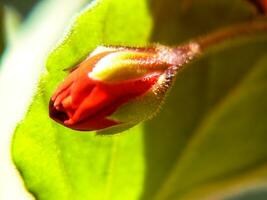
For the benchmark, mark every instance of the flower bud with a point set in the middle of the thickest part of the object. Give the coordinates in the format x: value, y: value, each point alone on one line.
x: 115, y: 88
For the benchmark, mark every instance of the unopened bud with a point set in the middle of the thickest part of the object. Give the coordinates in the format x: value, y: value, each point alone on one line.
x: 115, y: 88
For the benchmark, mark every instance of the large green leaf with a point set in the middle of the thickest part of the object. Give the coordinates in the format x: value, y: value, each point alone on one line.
x: 198, y: 89
x: 21, y: 66
x: 70, y: 165
x: 209, y: 137
x: 228, y: 142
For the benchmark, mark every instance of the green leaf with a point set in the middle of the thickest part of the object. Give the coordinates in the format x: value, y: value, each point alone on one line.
x: 65, y: 164
x: 105, y: 22
x: 209, y: 137
x: 234, y: 128
x: 20, y: 69
x: 197, y: 91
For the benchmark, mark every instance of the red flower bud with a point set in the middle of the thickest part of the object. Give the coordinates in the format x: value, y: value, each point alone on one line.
x: 115, y: 88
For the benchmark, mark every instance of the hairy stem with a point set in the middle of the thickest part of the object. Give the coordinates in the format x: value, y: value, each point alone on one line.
x: 230, y: 33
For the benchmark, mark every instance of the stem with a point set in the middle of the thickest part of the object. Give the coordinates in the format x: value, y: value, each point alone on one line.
x: 229, y: 33
x: 194, y: 48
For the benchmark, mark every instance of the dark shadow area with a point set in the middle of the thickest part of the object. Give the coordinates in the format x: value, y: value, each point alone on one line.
x: 256, y: 194
x: 192, y: 95
x: 22, y: 6
x: 2, y: 36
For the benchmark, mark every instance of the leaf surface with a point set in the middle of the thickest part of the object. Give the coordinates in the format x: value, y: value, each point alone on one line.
x: 64, y: 164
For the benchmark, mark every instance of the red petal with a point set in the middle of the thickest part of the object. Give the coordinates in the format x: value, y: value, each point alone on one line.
x: 95, y: 101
